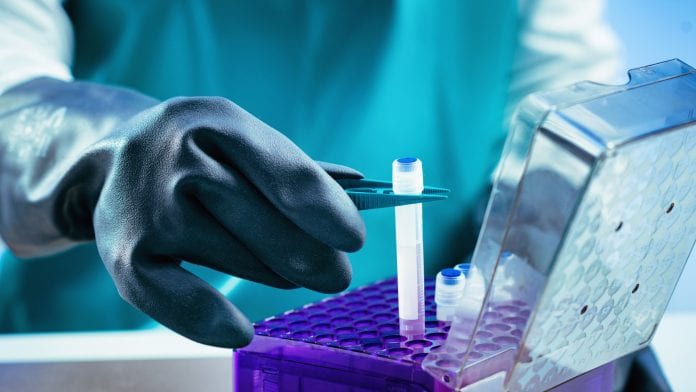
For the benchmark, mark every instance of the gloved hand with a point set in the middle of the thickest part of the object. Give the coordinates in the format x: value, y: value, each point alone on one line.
x: 195, y: 179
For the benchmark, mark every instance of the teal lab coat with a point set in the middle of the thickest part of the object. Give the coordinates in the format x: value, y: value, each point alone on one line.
x: 353, y: 82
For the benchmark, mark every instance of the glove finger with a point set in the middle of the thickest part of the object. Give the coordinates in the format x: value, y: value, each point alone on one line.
x: 209, y: 244
x: 285, y: 175
x: 272, y: 237
x: 180, y: 300
x: 340, y: 172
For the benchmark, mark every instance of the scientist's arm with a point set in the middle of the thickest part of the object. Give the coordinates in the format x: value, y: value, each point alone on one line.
x: 35, y: 40
x: 196, y: 179
x: 562, y: 42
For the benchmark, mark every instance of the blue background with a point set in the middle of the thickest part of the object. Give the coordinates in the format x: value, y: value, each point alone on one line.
x: 653, y: 31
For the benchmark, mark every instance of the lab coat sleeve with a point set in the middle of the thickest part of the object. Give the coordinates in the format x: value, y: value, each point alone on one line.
x: 562, y: 42
x: 36, y: 39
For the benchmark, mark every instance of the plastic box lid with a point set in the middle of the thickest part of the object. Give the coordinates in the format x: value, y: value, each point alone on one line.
x: 591, y: 220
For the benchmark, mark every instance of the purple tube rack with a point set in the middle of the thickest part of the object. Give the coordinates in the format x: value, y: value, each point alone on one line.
x: 352, y: 341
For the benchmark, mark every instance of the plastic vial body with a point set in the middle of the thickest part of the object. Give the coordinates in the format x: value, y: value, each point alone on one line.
x: 407, y: 178
x: 449, y: 290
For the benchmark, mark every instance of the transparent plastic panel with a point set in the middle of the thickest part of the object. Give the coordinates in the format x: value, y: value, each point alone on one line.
x: 621, y: 258
x: 582, y: 241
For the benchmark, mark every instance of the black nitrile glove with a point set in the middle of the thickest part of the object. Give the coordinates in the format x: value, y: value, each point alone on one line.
x: 195, y: 179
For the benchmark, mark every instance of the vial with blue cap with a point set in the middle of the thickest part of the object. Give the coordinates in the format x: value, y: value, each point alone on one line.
x: 449, y: 290
x: 464, y: 267
x: 407, y: 179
